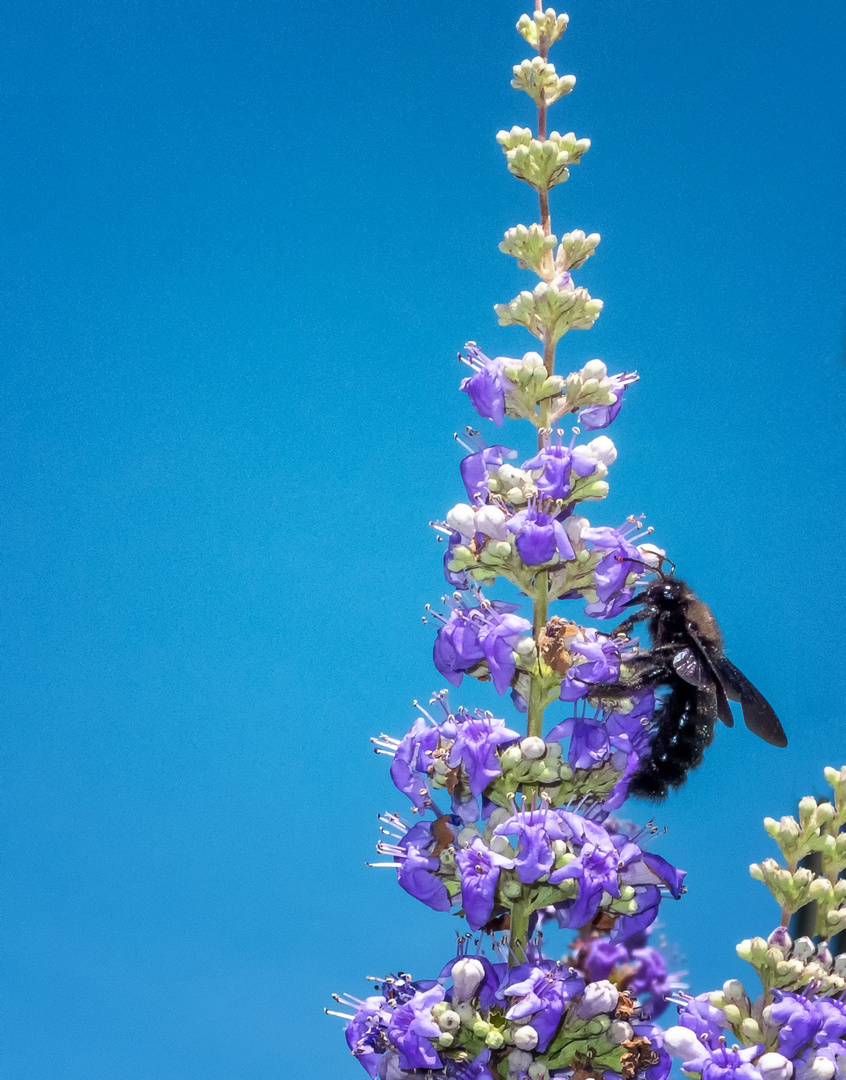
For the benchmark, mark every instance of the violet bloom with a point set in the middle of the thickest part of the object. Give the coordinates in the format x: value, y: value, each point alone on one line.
x: 413, y: 758
x: 589, y: 742
x: 596, y: 660
x: 475, y: 468
x: 554, y: 461
x: 417, y: 875
x: 479, y: 867
x: 366, y: 1032
x: 417, y: 870
x: 798, y: 1022
x: 535, y: 857
x: 594, y: 417
x: 476, y: 740
x: 477, y: 1069
x: 602, y: 957
x: 594, y: 868
x: 412, y: 1027
x: 700, y: 1017
x: 621, y: 558
x: 540, y: 537
x: 543, y: 989
x: 487, y: 385
x: 650, y: 982
x: 488, y: 632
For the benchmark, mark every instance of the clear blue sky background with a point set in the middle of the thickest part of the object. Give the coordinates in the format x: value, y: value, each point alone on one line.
x: 241, y: 244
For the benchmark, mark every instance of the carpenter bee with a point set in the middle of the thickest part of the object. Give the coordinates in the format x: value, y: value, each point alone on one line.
x: 687, y: 659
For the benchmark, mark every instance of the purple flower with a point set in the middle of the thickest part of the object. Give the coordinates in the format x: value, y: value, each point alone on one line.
x: 477, y: 1069
x: 412, y: 1027
x: 596, y: 659
x: 475, y: 468
x: 700, y: 1016
x: 540, y: 537
x: 366, y: 1032
x: 488, y: 632
x: 417, y: 875
x: 479, y: 867
x: 535, y: 857
x: 476, y: 740
x: 602, y: 957
x: 589, y: 741
x: 621, y: 558
x: 543, y: 989
x: 458, y: 646
x: 487, y: 385
x: 418, y: 864
x: 594, y: 417
x: 413, y: 757
x: 594, y: 868
x: 798, y: 1021
x: 554, y: 461
x: 650, y: 981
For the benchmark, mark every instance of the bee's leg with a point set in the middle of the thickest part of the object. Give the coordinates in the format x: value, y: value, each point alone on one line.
x: 629, y: 624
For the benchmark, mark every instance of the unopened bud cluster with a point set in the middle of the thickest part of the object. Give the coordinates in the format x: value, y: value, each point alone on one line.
x: 818, y: 832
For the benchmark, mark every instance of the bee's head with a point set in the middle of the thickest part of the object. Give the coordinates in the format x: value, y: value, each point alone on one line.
x: 666, y: 591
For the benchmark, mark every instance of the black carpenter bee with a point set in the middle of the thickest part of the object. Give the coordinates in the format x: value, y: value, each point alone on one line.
x: 687, y: 659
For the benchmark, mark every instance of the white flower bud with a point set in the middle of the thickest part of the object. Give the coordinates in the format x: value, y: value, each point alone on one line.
x: 525, y: 647
x: 803, y: 949
x: 462, y: 518
x: 682, y: 1043
x: 593, y: 369
x: 620, y: 1032
x: 491, y: 521
x: 533, y: 747
x: 449, y: 1021
x: 774, y: 1067
x: 603, y: 449
x: 818, y: 1069
x: 467, y: 973
x: 599, y: 997
x: 525, y: 1038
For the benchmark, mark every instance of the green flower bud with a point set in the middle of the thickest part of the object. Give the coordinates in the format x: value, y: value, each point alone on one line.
x: 538, y: 79
x: 494, y: 1039
x: 543, y: 28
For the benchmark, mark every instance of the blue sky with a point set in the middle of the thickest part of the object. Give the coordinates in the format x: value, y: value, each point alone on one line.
x: 241, y: 245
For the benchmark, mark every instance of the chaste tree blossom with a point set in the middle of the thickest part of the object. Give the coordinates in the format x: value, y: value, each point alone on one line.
x: 512, y: 816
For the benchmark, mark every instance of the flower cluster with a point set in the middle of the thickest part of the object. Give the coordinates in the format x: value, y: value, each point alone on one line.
x: 796, y: 1029
x: 796, y: 1037
x: 479, y: 1020
x: 536, y: 857
x: 512, y: 823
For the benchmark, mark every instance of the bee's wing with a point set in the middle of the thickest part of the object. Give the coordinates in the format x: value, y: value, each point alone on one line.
x: 696, y: 668
x: 758, y: 715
